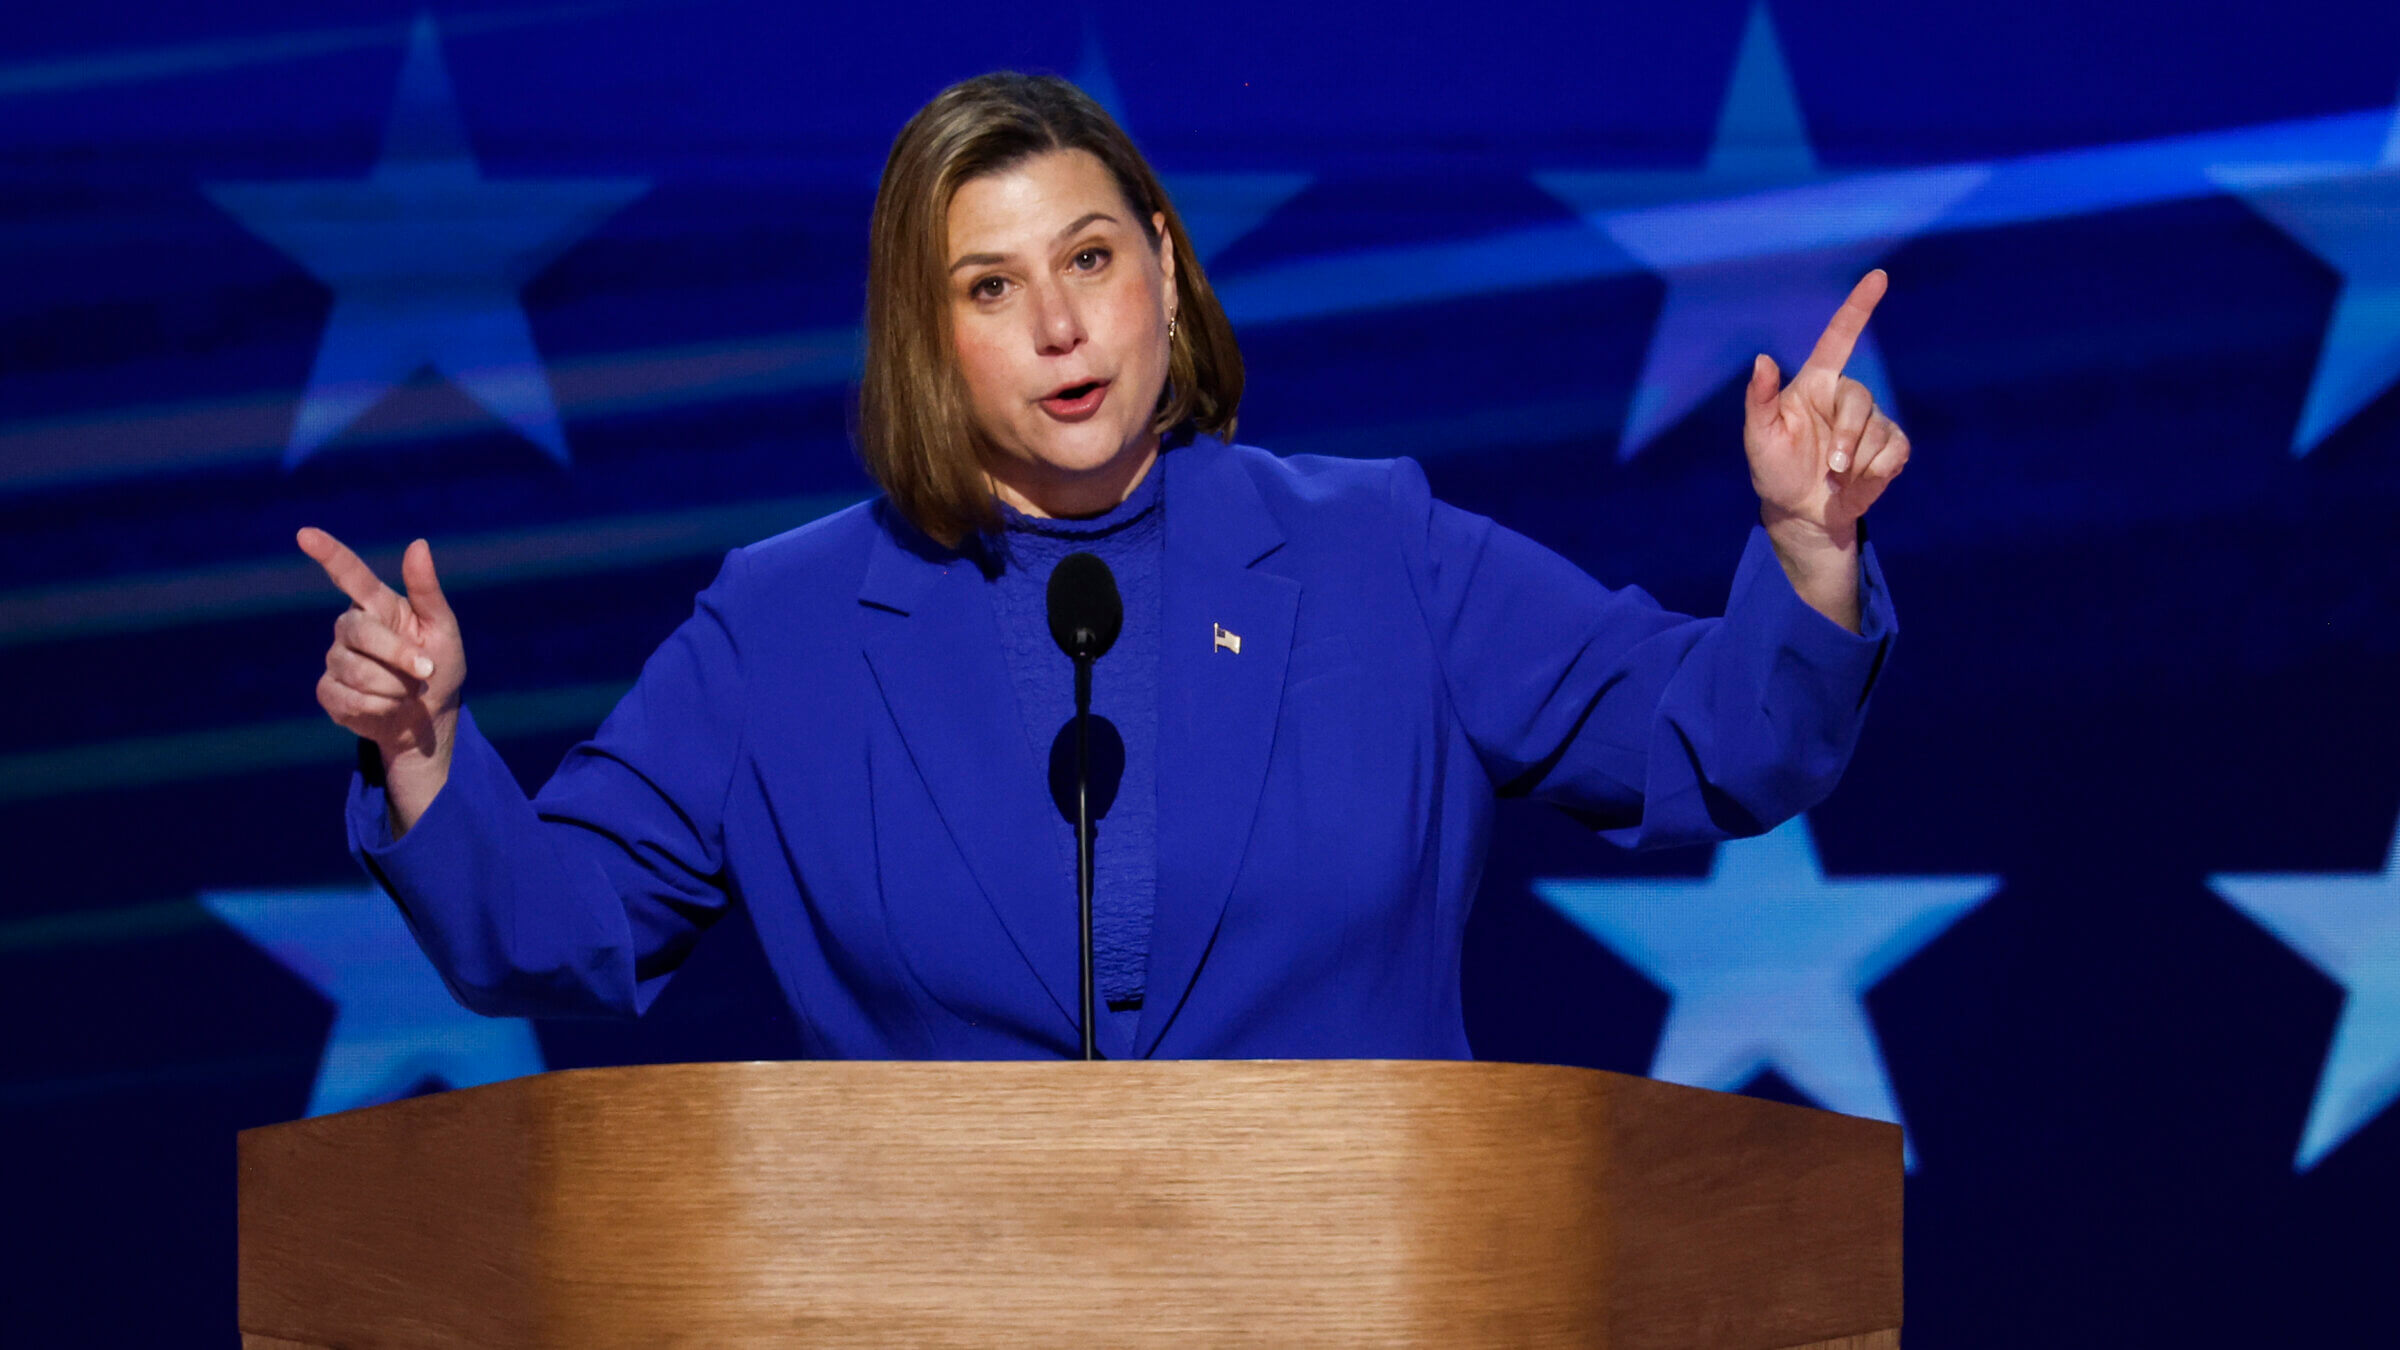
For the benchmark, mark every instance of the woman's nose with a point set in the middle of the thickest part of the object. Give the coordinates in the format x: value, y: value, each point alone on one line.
x: 1058, y: 321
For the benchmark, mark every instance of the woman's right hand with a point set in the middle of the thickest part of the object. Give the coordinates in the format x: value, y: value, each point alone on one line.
x: 394, y: 670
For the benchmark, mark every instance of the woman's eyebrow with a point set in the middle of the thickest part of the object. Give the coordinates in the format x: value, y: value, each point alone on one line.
x: 1074, y: 227
x: 1080, y: 221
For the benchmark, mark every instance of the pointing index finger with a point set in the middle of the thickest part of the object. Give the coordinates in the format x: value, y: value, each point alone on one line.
x: 1841, y: 336
x: 357, y: 580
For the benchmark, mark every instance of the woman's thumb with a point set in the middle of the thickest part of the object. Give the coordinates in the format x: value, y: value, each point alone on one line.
x: 424, y: 588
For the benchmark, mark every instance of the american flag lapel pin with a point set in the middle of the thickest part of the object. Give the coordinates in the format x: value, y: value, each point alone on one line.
x: 1227, y: 642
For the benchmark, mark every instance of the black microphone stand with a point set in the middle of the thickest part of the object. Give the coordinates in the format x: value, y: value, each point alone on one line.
x: 1083, y: 845
x: 1086, y: 614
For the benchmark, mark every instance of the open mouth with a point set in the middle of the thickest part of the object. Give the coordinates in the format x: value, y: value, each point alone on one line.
x: 1076, y: 399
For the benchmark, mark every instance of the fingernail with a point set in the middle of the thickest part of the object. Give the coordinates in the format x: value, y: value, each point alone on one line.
x: 424, y: 668
x: 1841, y: 464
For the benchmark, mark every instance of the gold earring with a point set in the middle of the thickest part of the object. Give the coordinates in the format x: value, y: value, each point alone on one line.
x: 1170, y: 328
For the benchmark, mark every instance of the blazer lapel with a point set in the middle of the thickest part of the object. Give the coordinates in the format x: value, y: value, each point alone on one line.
x: 1217, y: 708
x: 938, y: 659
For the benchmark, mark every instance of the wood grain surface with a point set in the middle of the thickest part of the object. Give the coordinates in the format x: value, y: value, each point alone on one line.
x: 1321, y: 1203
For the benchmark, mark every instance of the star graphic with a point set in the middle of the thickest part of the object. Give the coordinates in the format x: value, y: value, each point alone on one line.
x: 1767, y: 962
x: 395, y: 1025
x: 1758, y: 248
x: 1217, y: 208
x: 2347, y: 925
x: 425, y: 257
x: 2348, y: 214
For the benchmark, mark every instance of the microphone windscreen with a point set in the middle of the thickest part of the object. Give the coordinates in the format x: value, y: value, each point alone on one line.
x: 1085, y: 611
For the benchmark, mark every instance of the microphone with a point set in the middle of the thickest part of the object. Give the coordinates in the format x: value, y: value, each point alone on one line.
x: 1086, y: 614
x: 1085, y: 611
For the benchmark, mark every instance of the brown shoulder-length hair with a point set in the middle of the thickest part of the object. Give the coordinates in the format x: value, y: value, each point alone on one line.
x: 916, y: 428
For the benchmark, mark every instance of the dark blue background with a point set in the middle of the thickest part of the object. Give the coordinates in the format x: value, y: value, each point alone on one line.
x: 2144, y: 642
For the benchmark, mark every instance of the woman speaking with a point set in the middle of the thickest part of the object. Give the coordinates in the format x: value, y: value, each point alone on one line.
x: 1323, y: 681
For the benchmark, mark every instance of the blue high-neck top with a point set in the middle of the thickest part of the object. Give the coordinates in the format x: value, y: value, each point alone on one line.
x: 1125, y: 697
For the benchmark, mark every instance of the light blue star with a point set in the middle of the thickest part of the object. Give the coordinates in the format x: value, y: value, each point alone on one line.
x: 2349, y: 215
x: 1758, y: 248
x: 394, y: 1023
x: 1217, y: 208
x: 2347, y: 925
x: 1767, y: 962
x: 425, y: 257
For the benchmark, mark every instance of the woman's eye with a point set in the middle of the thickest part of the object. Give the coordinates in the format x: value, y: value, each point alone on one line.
x: 988, y: 288
x: 1091, y: 260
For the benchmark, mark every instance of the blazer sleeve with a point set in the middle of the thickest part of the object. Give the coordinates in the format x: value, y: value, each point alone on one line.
x: 1653, y: 727
x: 582, y: 900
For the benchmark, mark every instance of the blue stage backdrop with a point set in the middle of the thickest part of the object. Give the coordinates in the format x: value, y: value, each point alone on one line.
x: 2107, y: 912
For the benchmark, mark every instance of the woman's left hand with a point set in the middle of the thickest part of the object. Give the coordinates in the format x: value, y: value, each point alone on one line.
x: 1820, y: 454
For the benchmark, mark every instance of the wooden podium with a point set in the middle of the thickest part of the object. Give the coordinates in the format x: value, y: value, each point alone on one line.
x: 1188, y: 1203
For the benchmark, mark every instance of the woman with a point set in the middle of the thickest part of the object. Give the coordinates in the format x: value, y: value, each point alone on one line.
x: 1325, y: 679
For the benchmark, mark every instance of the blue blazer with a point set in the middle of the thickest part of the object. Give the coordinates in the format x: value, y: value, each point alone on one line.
x: 832, y: 741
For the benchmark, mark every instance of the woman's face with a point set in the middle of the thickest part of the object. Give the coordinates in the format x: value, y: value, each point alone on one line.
x: 1060, y: 305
